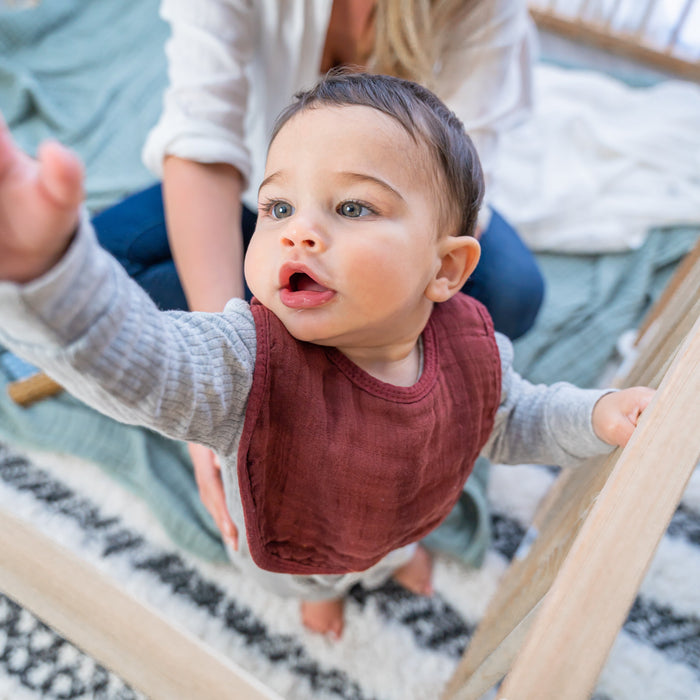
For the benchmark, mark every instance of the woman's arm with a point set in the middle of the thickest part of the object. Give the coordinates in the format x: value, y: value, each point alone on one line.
x: 203, y: 215
x: 198, y: 145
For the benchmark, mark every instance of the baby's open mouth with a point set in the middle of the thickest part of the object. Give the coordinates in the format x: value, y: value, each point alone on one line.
x: 299, y: 290
x: 301, y: 282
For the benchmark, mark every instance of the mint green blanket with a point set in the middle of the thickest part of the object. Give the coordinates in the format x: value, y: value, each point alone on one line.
x: 90, y: 74
x: 154, y: 468
x: 590, y: 300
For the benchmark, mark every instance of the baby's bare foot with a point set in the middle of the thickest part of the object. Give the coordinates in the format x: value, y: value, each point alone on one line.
x: 323, y: 616
x: 417, y: 574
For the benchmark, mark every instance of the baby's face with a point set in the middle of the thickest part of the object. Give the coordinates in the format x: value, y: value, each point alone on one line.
x: 346, y: 239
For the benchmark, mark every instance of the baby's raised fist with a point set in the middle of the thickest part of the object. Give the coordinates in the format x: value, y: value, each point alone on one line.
x: 615, y: 415
x: 39, y: 207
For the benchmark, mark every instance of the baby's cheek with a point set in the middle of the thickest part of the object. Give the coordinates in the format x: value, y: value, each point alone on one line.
x: 253, y: 269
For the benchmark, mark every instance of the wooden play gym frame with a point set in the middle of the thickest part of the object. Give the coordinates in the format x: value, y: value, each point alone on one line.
x: 560, y: 605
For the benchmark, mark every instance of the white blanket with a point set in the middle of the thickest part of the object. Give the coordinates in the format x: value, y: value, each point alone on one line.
x: 600, y: 162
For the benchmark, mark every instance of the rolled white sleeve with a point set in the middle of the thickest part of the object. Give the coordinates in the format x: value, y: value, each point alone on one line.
x: 204, y: 110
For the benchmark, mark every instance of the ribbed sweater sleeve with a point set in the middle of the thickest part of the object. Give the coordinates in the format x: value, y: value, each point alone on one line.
x: 542, y: 424
x: 188, y: 375
x: 94, y: 330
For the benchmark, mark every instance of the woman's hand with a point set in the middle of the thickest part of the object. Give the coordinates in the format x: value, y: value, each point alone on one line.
x: 207, y: 472
x: 615, y: 415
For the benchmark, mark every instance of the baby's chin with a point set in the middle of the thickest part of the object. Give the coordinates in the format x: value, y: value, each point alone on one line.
x: 307, y: 336
x: 289, y: 318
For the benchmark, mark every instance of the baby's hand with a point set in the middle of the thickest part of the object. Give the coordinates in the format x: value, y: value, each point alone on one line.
x: 615, y: 415
x: 39, y: 205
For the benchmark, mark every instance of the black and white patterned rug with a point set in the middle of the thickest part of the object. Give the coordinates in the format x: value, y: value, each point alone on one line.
x: 395, y: 646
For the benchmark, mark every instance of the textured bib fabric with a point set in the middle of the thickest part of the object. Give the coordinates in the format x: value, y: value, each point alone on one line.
x: 336, y: 469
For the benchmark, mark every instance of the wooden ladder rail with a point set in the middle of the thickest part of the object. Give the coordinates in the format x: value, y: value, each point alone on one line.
x: 161, y: 659
x: 567, y: 506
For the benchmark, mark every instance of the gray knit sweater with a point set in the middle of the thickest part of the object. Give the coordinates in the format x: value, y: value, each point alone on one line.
x: 188, y: 375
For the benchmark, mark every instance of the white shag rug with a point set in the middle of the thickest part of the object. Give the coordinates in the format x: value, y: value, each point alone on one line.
x: 395, y: 647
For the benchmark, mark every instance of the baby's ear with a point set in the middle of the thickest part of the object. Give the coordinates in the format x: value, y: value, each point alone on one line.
x: 458, y: 258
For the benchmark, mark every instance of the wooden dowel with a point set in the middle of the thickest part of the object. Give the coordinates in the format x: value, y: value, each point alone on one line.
x: 31, y: 389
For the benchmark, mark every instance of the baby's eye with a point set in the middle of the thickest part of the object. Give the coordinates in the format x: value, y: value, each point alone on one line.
x: 280, y: 210
x: 354, y: 209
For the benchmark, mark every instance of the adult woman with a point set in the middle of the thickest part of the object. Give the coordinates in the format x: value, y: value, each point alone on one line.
x: 235, y: 64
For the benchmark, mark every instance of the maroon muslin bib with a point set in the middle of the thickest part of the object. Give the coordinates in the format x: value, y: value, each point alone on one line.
x: 336, y: 469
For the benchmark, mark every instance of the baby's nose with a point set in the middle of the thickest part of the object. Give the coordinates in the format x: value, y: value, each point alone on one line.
x: 302, y: 235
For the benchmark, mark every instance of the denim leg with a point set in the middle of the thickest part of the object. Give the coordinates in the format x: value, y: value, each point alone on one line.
x: 507, y: 280
x: 133, y: 230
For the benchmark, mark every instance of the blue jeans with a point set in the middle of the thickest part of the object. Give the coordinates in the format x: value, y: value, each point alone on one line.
x: 507, y: 280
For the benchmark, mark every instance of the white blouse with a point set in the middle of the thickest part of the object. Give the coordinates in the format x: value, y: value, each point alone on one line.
x: 235, y: 64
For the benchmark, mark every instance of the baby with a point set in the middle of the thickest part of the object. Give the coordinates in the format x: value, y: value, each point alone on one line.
x: 348, y: 403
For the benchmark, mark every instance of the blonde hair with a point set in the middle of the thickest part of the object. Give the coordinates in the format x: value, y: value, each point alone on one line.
x: 409, y: 36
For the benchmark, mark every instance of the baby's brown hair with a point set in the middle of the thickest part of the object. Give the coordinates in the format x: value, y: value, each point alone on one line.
x: 460, y: 186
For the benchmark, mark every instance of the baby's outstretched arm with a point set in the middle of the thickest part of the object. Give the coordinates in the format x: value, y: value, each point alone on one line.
x: 70, y: 308
x: 559, y: 423
x: 615, y: 415
x: 39, y: 205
